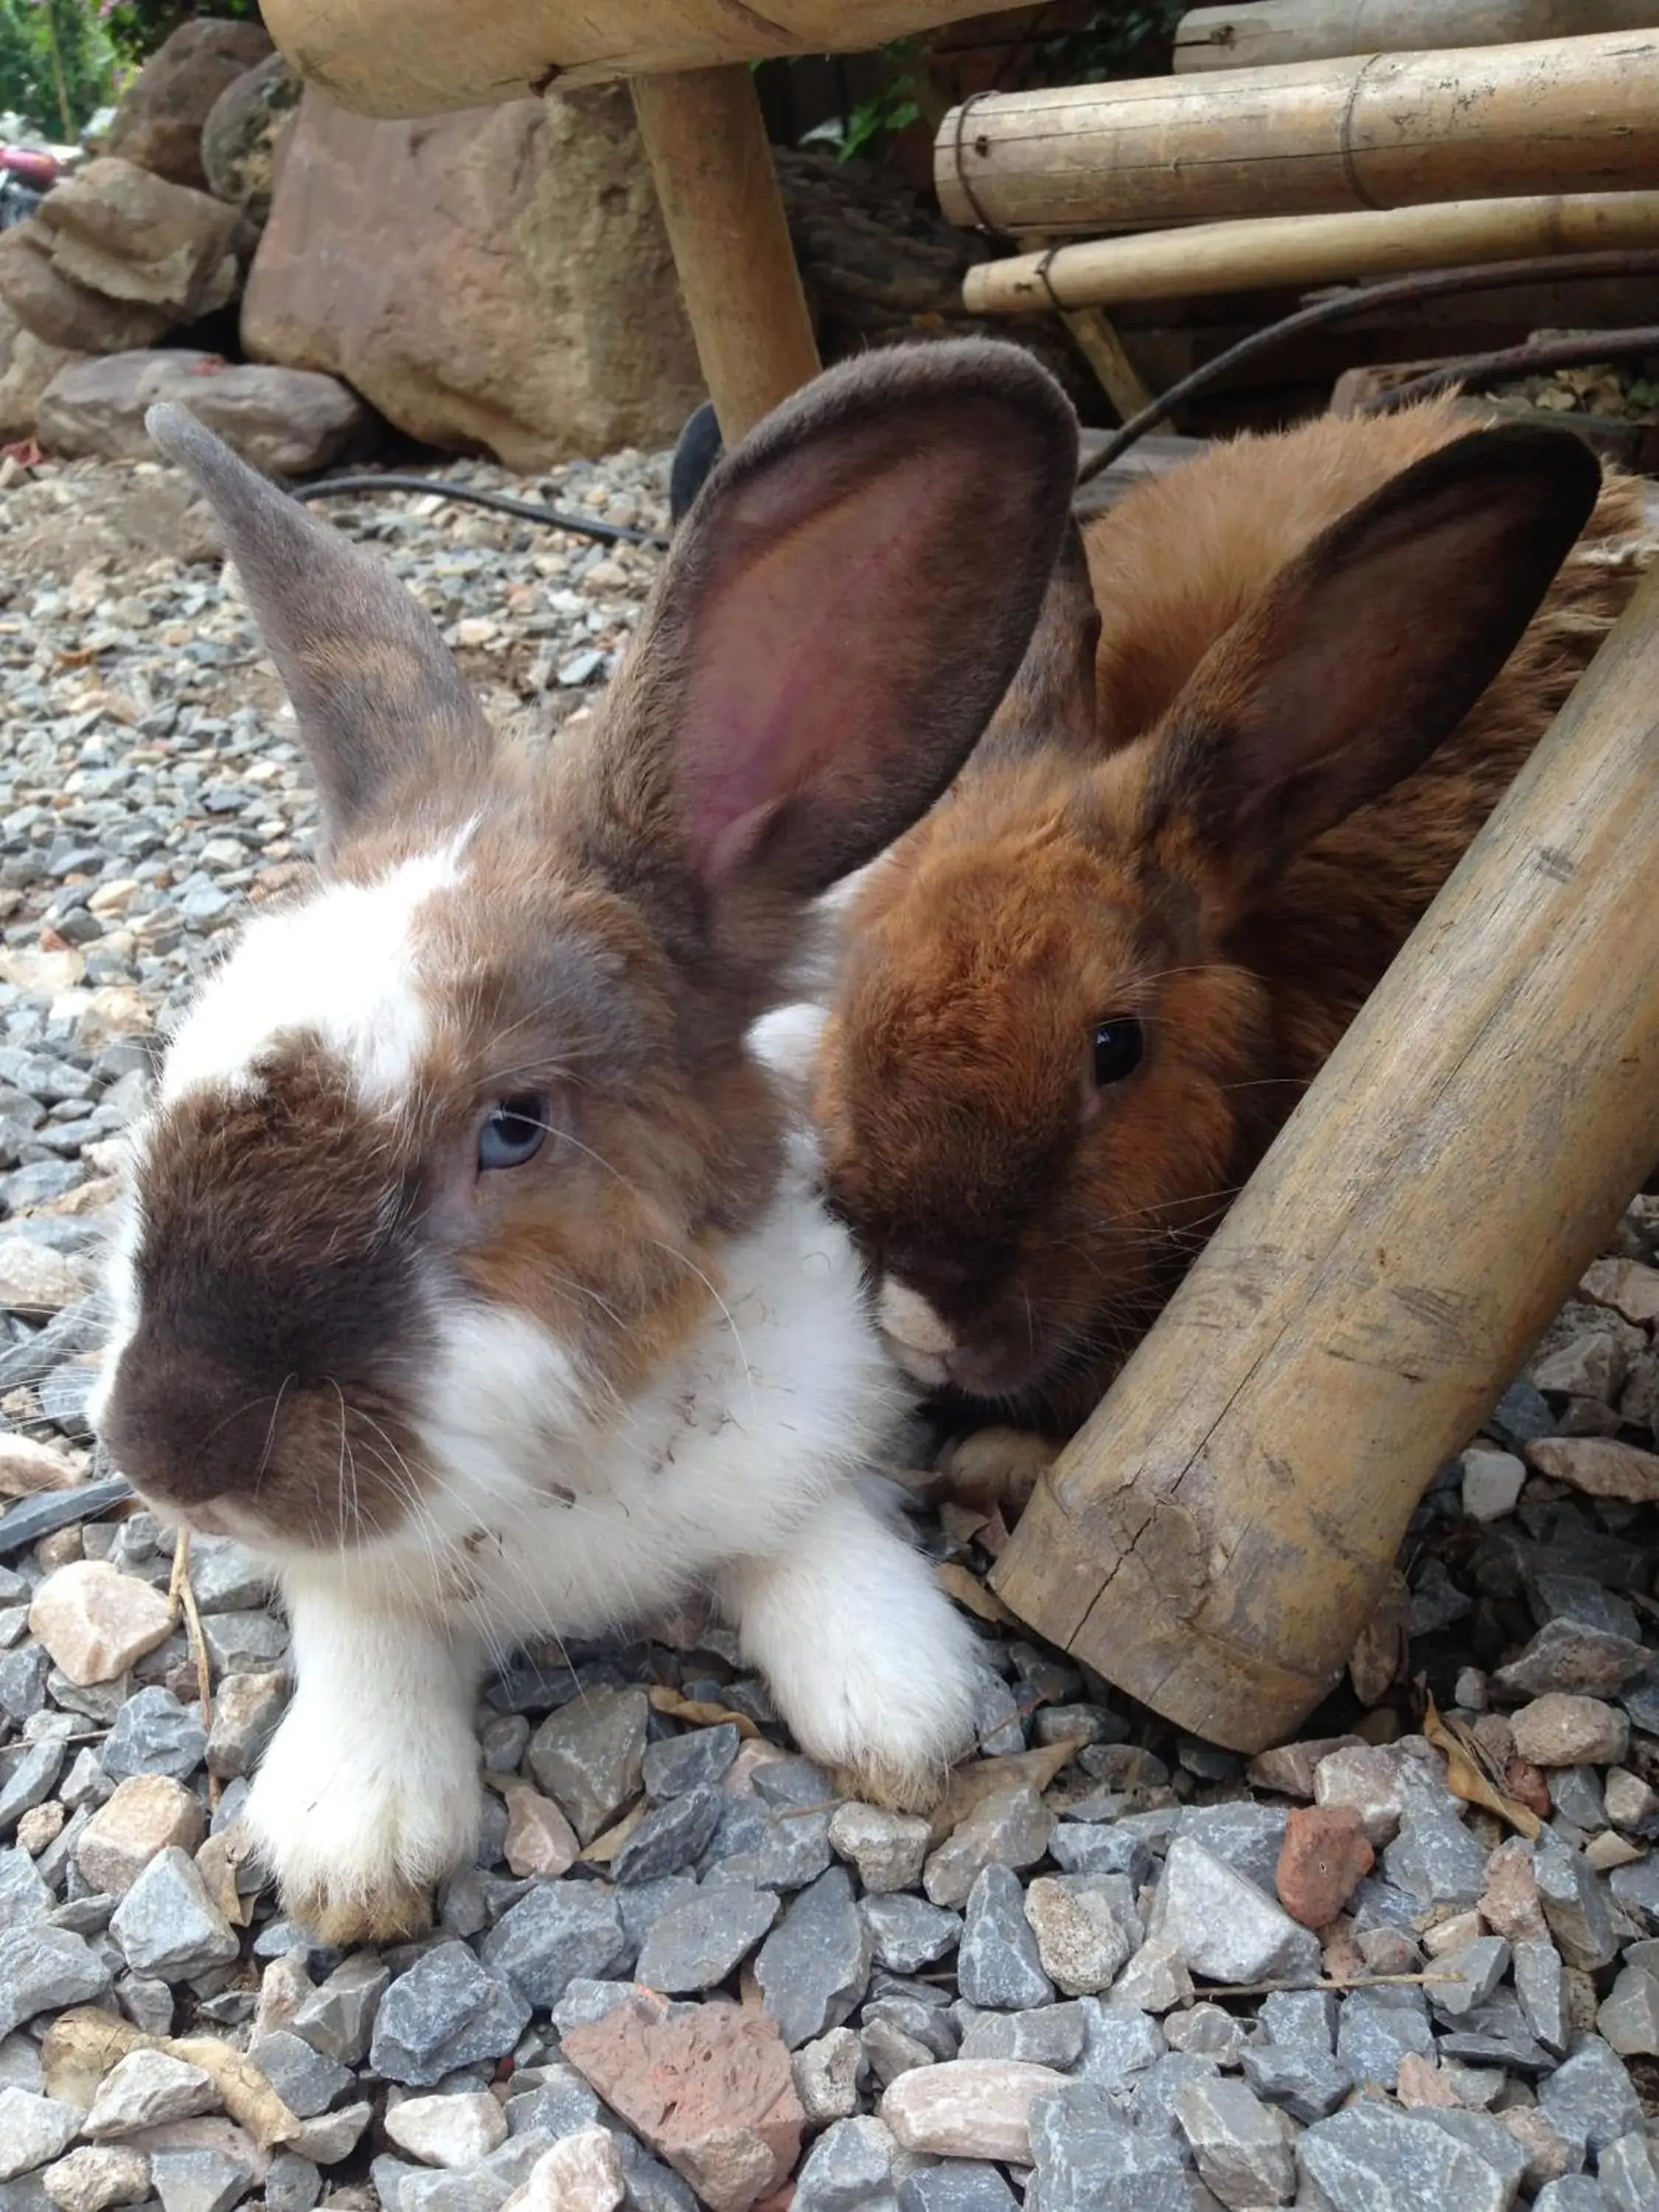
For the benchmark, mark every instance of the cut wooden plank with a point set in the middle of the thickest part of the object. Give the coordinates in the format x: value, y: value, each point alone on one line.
x: 718, y: 195
x: 1251, y: 37
x: 1389, y: 130
x: 410, y: 57
x: 1307, y: 249
x: 1216, y: 1537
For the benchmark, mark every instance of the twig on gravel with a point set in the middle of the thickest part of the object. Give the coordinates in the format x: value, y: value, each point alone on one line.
x: 181, y: 1598
x: 1328, y: 1982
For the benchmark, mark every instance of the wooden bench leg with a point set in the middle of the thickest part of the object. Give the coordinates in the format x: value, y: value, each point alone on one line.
x: 706, y: 139
x: 1216, y: 1538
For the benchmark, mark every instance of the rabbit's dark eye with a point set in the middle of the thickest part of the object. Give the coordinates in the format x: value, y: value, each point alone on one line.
x: 1118, y: 1044
x: 512, y: 1132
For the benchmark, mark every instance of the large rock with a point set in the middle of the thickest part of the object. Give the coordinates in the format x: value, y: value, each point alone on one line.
x: 130, y: 236
x: 496, y: 279
x: 238, y: 139
x: 159, y: 122
x: 287, y: 421
x: 59, y: 311
x: 27, y: 365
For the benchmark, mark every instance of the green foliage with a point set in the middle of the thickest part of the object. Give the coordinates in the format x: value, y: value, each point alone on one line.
x: 1124, y: 38
x: 138, y: 27
x: 1118, y: 41
x: 58, y: 64
x: 893, y: 107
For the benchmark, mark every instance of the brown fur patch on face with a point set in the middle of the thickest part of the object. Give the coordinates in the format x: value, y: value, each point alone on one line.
x: 546, y: 985
x: 281, y: 1308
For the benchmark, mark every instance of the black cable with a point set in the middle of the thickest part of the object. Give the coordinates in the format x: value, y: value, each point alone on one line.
x: 611, y: 534
x: 1640, y: 261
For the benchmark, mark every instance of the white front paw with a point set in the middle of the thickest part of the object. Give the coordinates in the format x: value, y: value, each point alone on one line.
x: 892, y: 1714
x: 357, y: 1826
x: 872, y: 1666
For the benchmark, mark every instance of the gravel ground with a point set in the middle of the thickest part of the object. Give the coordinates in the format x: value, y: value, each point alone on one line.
x: 678, y: 1961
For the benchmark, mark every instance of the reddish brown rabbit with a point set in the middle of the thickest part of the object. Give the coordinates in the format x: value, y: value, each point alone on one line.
x: 1249, y: 742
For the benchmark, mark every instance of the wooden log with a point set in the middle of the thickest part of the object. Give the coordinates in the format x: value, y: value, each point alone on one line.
x: 1270, y: 30
x: 1216, y: 1537
x: 1307, y: 249
x: 1388, y: 130
x: 399, y: 58
x: 706, y: 139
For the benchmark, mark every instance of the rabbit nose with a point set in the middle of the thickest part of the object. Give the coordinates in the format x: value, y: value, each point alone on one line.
x: 921, y: 1341
x: 180, y: 1429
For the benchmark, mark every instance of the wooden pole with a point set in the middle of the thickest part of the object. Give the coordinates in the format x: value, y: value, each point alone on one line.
x: 1216, y: 1537
x: 707, y: 145
x: 1251, y: 37
x: 1103, y: 350
x: 1307, y: 249
x: 1382, y: 131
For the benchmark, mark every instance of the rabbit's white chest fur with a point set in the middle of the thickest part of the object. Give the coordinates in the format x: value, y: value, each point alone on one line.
x: 544, y: 1521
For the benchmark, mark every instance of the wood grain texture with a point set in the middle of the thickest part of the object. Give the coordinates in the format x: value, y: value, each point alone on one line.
x: 1216, y: 258
x: 1215, y: 1538
x: 706, y: 139
x: 403, y: 58
x: 1248, y: 37
x: 1382, y: 130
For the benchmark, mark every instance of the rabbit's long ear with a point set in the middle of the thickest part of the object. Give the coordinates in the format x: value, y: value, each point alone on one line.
x: 1366, y: 651
x: 840, y: 612
x: 385, y: 718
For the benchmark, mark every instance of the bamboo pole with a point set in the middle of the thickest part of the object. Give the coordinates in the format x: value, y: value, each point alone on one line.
x: 1384, y: 131
x: 706, y: 140
x: 404, y: 59
x: 1255, y: 36
x: 1216, y: 1537
x: 1307, y: 249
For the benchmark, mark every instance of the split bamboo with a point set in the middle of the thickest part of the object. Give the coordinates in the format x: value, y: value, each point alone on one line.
x: 1217, y: 1536
x: 1385, y: 132
x: 1253, y: 36
x: 1307, y: 249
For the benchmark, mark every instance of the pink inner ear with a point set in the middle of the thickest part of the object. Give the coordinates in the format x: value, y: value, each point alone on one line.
x: 810, y: 643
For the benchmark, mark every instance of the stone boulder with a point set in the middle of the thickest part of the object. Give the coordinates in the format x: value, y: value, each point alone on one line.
x: 287, y: 421
x: 61, y: 312
x: 498, y: 279
x: 122, y: 232
x: 27, y: 365
x: 159, y: 122
x: 238, y: 139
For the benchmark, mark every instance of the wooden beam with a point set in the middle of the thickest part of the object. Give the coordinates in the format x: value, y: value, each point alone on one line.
x: 1214, y: 257
x: 1252, y: 36
x: 1215, y: 1539
x: 707, y: 143
x: 1382, y: 131
x: 404, y: 59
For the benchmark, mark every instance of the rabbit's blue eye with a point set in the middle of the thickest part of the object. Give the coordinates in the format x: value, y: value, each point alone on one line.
x: 513, y: 1132
x: 1118, y: 1045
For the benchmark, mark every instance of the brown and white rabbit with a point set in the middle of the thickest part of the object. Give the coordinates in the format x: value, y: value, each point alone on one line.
x: 472, y: 1270
x: 1076, y: 1002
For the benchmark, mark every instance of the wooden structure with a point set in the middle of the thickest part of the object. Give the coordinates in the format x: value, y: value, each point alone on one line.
x: 1309, y: 249
x: 1215, y: 1536
x: 1377, y: 130
x: 1259, y: 33
x: 699, y: 116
